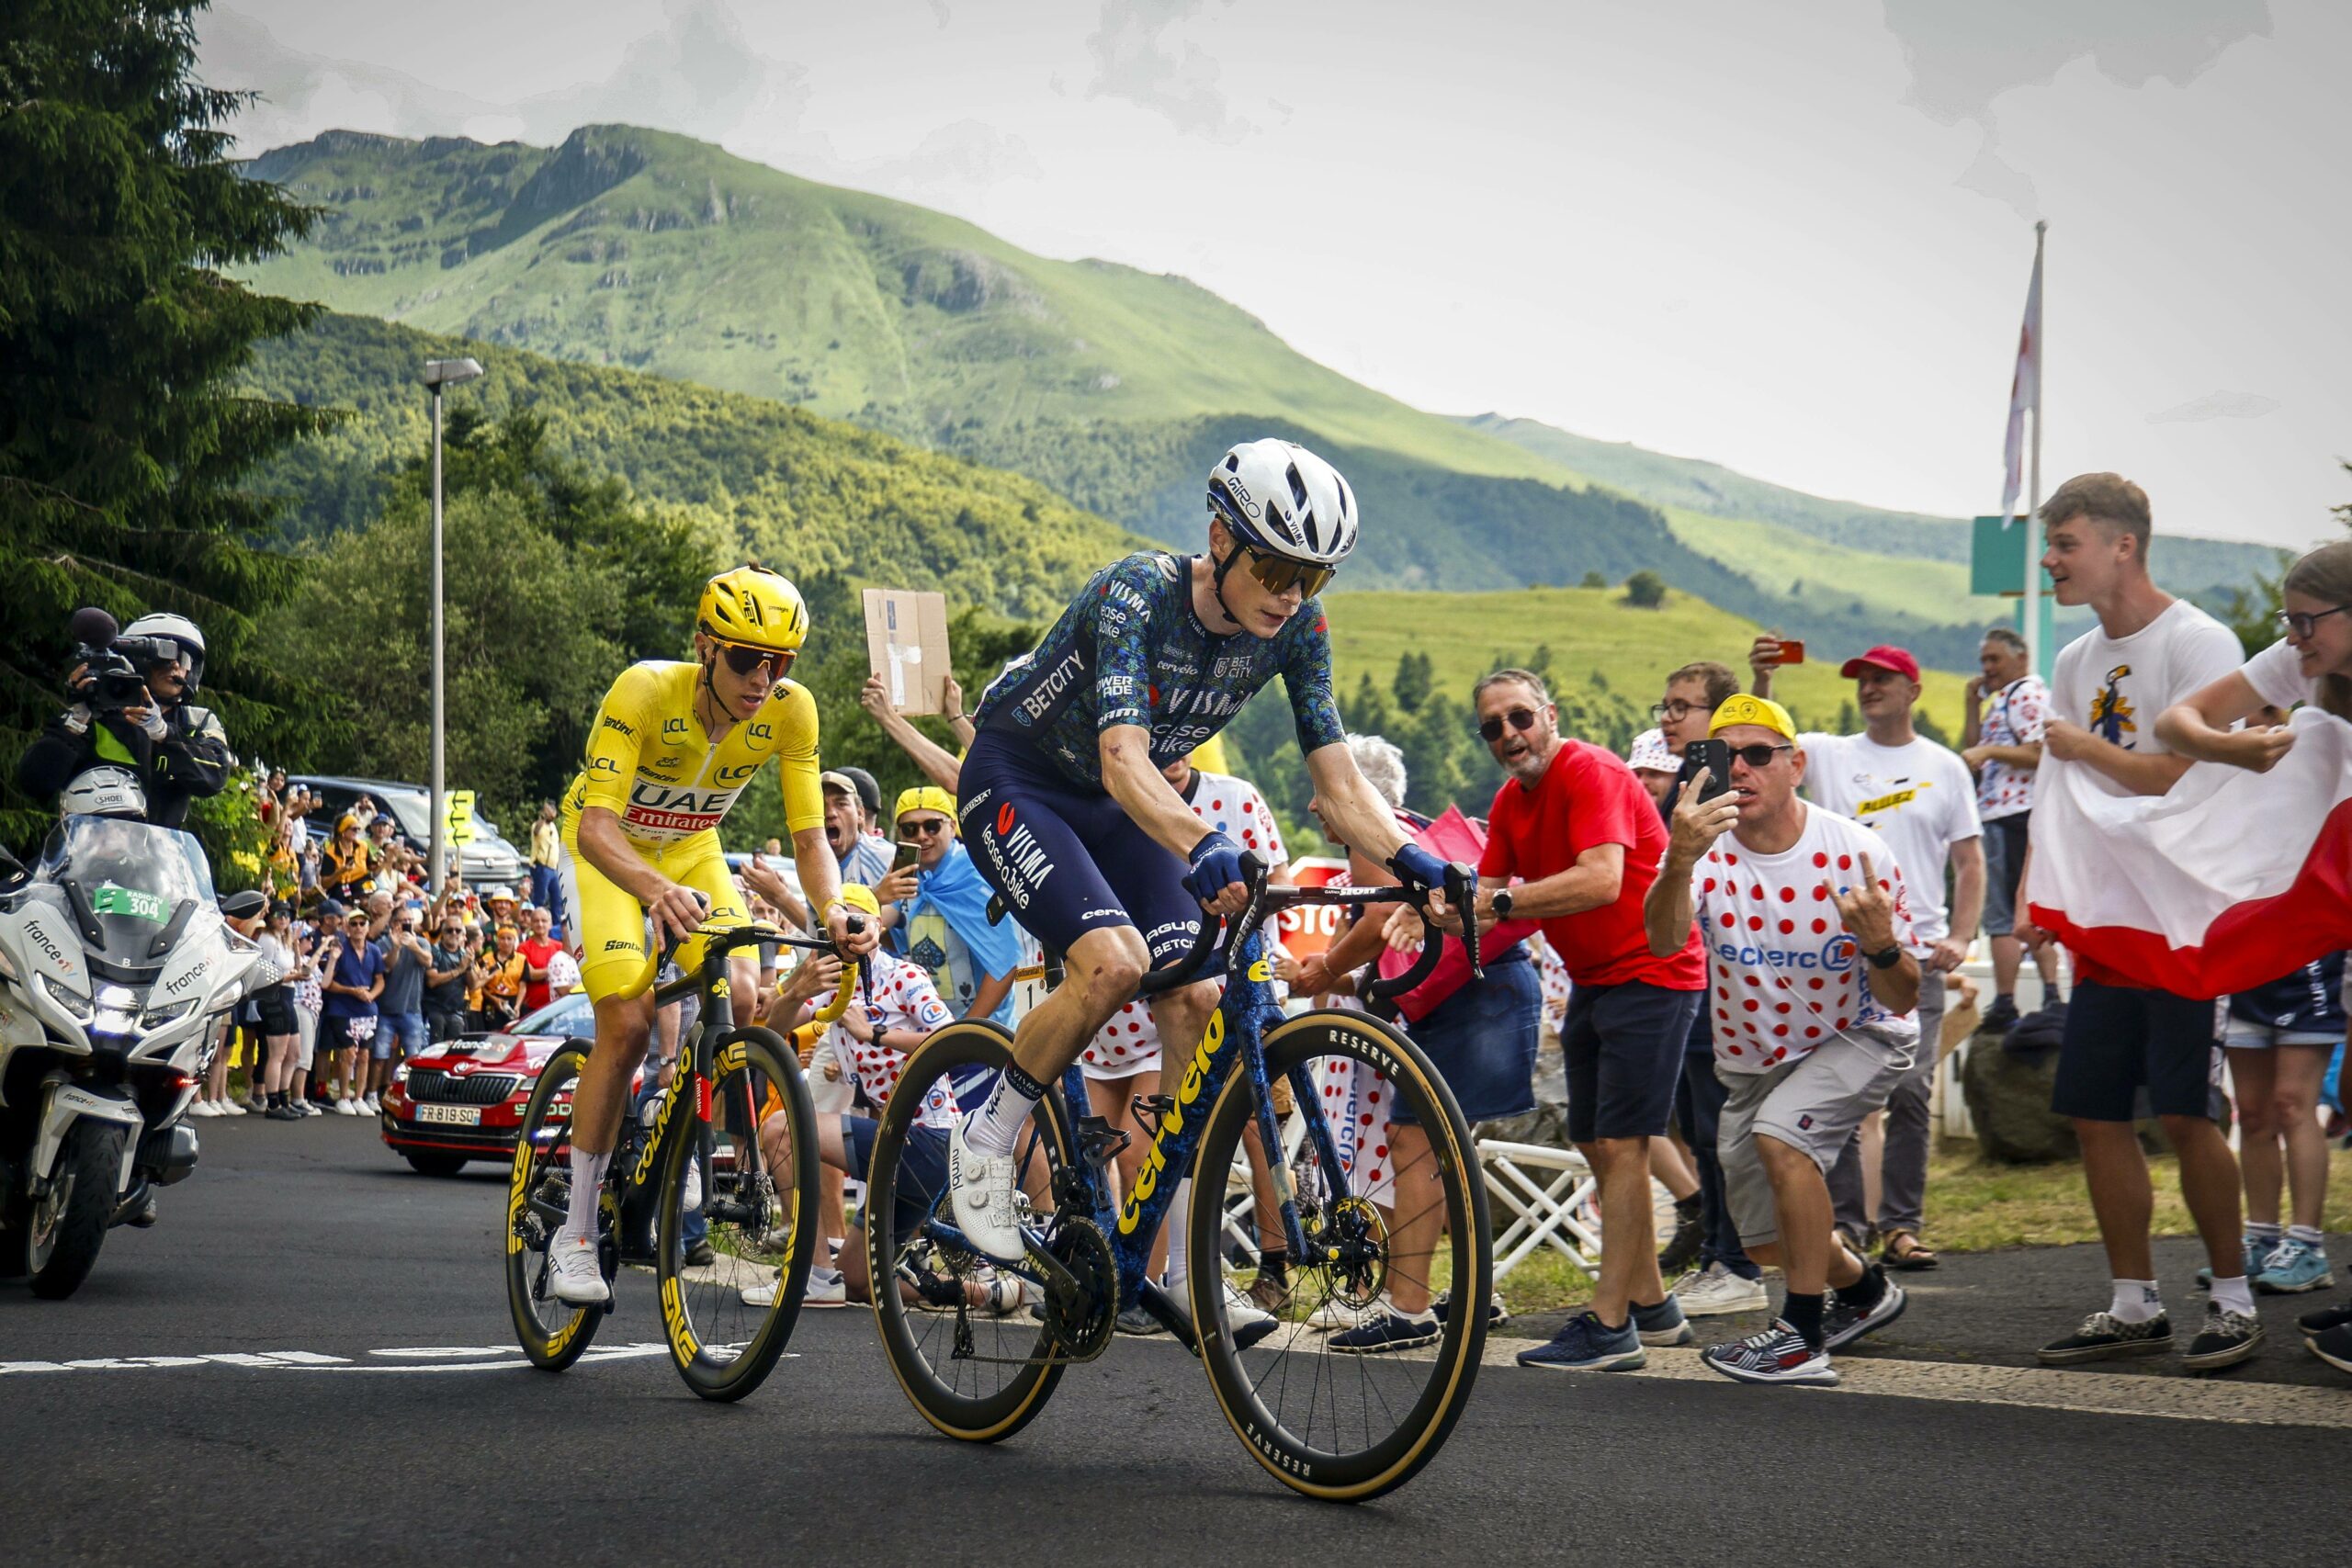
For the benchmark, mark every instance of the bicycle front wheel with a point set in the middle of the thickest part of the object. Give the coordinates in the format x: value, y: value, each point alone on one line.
x: 1394, y: 1210
x: 735, y: 1225
x: 539, y: 1187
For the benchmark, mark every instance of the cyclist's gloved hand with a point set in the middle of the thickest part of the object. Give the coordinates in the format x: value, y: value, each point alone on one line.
x: 1417, y: 867
x: 1216, y: 865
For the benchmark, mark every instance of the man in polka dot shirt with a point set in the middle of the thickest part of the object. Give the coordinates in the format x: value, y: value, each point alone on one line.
x: 1813, y: 987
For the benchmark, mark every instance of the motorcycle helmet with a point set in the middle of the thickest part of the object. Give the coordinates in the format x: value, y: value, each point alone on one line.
x: 177, y: 629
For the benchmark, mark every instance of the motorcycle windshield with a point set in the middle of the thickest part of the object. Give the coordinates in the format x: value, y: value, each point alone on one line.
x: 133, y: 878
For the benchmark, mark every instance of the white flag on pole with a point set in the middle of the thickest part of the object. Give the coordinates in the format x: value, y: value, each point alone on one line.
x: 2025, y: 393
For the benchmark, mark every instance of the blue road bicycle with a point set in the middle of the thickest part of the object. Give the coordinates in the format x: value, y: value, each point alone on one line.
x: 1337, y: 1427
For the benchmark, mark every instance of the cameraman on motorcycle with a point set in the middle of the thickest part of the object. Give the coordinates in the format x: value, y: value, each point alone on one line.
x: 132, y: 744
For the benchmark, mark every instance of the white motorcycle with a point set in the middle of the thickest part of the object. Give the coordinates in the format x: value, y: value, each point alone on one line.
x: 115, y: 969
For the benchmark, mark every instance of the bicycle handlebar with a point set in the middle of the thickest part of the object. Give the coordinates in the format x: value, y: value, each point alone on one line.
x: 1185, y: 970
x: 1460, y: 888
x: 719, y: 943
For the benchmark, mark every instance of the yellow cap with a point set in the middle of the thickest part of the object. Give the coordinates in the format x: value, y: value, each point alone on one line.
x: 927, y: 797
x: 1744, y: 709
x: 858, y: 896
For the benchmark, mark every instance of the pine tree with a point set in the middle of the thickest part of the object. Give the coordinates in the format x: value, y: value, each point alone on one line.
x: 121, y: 439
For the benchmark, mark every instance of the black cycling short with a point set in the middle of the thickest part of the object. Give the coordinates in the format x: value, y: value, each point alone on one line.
x: 1068, y: 859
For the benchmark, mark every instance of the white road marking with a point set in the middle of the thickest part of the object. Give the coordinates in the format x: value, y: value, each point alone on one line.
x: 404, y: 1359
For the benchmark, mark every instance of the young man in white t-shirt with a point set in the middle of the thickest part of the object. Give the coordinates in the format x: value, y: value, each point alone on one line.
x: 1813, y: 983
x: 2128, y: 1049
x: 1919, y: 796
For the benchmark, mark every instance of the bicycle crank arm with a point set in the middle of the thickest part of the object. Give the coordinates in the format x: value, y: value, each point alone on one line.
x: 1162, y: 1307
x: 1057, y: 1276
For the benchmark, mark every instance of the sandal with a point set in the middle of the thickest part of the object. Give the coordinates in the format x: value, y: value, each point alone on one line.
x: 1911, y: 1258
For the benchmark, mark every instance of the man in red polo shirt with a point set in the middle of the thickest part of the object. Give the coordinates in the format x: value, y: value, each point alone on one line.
x: 1577, y: 828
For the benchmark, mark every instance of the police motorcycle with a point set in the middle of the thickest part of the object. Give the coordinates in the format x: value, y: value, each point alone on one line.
x: 116, y: 973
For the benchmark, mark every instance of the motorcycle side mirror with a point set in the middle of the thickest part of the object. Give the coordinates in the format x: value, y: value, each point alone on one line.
x: 12, y: 869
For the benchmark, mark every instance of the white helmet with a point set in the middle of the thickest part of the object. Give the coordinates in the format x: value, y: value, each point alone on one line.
x: 178, y: 629
x: 1282, y: 500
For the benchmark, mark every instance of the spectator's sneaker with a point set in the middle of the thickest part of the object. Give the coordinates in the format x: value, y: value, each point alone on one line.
x: 1389, y: 1331
x: 1682, y: 1248
x: 344, y: 1108
x: 2257, y: 1253
x: 1337, y: 1313
x: 2103, y: 1336
x: 1586, y: 1345
x: 2223, y: 1339
x: 1268, y: 1293
x: 1243, y: 1317
x: 228, y: 1108
x: 1999, y: 1017
x: 701, y: 1255
x: 1716, y: 1291
x: 2325, y: 1318
x: 1496, y: 1313
x: 2292, y: 1268
x: 311, y: 1107
x: 374, y: 1102
x: 1842, y: 1325
x: 1139, y: 1323
x: 283, y: 1113
x: 201, y: 1108
x: 983, y: 1200
x: 573, y: 1275
x: 1663, y: 1324
x: 2333, y: 1346
x: 1003, y: 1294
x: 1778, y: 1355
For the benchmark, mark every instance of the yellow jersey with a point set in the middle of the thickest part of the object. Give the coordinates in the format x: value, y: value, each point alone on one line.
x: 650, y: 761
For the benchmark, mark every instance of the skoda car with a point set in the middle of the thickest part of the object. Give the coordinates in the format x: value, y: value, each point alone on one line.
x: 464, y: 1099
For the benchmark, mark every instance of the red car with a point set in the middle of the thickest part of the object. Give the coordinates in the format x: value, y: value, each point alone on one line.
x: 464, y: 1099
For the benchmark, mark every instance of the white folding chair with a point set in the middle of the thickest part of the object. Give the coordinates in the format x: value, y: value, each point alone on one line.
x: 1550, y: 1194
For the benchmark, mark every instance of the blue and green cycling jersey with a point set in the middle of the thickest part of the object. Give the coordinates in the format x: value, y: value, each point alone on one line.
x: 1130, y: 651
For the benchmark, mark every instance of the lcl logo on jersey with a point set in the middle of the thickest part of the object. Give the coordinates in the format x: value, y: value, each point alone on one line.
x: 763, y: 732
x: 739, y: 773
x: 673, y: 726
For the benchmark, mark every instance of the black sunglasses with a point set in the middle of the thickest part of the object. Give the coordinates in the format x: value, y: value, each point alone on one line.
x: 743, y: 661
x: 1491, y: 730
x: 1758, y: 756
x: 926, y: 827
x: 2303, y: 626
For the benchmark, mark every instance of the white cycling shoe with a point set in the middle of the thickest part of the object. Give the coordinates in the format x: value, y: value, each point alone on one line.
x: 982, y: 1186
x: 573, y: 1275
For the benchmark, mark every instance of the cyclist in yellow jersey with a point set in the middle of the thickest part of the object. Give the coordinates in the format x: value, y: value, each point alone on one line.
x: 673, y: 745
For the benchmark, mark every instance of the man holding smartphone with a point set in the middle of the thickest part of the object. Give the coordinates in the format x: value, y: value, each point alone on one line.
x: 940, y: 904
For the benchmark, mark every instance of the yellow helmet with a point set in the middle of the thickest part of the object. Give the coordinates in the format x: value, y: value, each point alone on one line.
x: 754, y: 607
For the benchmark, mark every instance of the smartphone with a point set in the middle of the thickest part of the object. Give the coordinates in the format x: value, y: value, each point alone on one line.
x: 1715, y: 757
x: 1792, y: 650
x: 905, y: 857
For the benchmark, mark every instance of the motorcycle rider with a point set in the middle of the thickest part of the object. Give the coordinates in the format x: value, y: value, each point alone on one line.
x: 106, y: 757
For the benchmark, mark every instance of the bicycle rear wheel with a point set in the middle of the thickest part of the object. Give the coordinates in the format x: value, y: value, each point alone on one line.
x: 983, y: 1374
x: 538, y: 1187
x: 727, y: 1320
x: 1335, y: 1425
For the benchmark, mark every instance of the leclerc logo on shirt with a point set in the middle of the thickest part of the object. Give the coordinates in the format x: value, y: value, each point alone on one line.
x: 1834, y: 956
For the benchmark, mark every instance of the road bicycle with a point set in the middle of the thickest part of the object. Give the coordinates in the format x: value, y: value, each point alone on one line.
x: 699, y: 1161
x: 1333, y: 1426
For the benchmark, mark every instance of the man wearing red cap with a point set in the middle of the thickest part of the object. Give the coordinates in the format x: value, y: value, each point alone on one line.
x: 1920, y: 797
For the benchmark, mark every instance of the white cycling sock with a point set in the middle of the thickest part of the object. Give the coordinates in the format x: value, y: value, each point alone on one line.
x: 587, y: 1181
x: 1179, y: 1214
x: 996, y: 1131
x: 2136, y: 1301
x: 2233, y: 1295
x: 2256, y: 1230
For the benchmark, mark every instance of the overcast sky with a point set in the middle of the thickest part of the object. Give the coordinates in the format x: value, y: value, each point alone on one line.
x: 1791, y: 237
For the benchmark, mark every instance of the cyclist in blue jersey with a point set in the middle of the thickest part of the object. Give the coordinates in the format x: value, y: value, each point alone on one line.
x: 1066, y: 813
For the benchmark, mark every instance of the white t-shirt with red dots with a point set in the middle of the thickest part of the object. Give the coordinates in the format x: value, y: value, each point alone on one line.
x: 1782, y: 973
x: 904, y: 997
x: 1128, y: 1044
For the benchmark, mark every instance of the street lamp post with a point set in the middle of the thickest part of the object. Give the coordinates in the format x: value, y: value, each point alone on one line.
x: 440, y: 373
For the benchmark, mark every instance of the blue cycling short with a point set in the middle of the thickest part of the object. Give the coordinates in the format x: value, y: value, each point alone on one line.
x: 1066, y: 859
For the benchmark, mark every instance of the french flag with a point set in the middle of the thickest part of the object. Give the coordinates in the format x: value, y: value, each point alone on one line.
x: 2230, y: 881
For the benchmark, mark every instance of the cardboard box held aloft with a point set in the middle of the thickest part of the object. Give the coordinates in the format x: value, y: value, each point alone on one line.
x: 906, y: 644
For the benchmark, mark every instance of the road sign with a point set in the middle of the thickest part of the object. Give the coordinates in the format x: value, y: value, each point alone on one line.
x: 460, y: 813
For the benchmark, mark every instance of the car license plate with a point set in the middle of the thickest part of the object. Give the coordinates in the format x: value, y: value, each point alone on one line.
x: 450, y: 1115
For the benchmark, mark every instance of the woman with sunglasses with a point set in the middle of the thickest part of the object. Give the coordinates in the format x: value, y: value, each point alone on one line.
x: 1067, y: 812
x: 669, y: 749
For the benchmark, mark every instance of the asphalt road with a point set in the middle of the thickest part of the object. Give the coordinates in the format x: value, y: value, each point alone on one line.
x: 307, y: 1253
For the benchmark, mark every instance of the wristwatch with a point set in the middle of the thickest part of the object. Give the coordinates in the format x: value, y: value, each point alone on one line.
x: 1885, y: 958
x: 1500, y: 903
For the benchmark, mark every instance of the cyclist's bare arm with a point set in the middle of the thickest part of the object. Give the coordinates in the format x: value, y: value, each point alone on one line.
x: 1353, y: 808
x: 1144, y: 794
x: 674, y: 910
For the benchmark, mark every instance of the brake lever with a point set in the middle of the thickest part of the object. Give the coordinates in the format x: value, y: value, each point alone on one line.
x: 1462, y: 897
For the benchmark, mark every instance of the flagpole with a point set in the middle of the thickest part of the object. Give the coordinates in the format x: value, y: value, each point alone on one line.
x: 2033, y: 490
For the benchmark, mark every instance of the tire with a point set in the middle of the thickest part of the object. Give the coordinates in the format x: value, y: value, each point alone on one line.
x: 553, y: 1334
x: 978, y: 1401
x: 1423, y: 1393
x: 67, y: 1229
x: 435, y: 1164
x: 721, y: 1346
